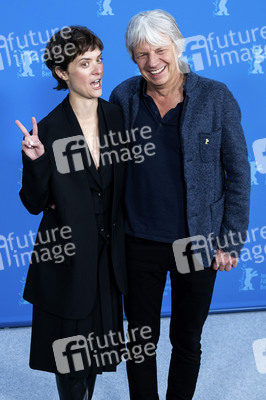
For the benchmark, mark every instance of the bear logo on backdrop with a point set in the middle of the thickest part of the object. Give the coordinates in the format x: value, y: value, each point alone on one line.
x: 248, y: 274
x: 247, y: 281
x: 27, y: 58
x: 259, y: 56
x: 104, y: 7
x: 220, y: 8
x: 256, y: 177
x: 251, y: 262
x: 258, y: 166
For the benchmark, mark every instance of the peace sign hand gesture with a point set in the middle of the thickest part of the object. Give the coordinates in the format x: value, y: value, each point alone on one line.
x: 31, y: 144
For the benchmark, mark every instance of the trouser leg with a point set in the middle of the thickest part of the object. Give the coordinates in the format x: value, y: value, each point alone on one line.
x: 142, y: 307
x: 71, y: 388
x: 91, y: 383
x: 191, y: 298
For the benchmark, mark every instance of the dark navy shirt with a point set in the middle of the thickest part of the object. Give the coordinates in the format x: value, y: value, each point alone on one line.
x: 155, y: 188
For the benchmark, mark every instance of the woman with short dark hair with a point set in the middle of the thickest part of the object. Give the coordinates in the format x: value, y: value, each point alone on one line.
x: 77, y: 325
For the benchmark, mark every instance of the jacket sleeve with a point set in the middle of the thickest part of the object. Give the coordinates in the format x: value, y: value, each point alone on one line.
x: 35, y: 191
x: 237, y: 170
x: 114, y: 98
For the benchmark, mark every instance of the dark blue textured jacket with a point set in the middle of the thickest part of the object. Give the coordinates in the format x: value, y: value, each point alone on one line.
x: 216, y: 167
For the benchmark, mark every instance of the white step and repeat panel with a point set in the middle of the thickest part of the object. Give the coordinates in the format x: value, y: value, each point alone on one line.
x: 225, y: 40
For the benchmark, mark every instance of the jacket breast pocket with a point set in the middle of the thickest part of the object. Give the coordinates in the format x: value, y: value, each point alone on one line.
x: 210, y: 144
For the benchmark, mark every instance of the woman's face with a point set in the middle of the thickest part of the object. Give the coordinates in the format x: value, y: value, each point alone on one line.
x: 84, y: 75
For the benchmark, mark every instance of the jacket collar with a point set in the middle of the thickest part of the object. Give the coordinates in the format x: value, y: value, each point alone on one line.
x: 191, y: 82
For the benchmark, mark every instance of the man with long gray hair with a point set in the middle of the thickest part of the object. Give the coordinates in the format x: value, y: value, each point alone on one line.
x: 196, y: 185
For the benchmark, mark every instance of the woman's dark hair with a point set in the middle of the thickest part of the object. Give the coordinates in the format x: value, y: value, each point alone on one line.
x: 64, y: 46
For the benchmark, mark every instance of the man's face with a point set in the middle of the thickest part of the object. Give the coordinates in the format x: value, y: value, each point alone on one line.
x: 157, y: 65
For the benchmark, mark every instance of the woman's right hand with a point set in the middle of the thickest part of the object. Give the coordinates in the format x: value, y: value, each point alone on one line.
x: 31, y: 145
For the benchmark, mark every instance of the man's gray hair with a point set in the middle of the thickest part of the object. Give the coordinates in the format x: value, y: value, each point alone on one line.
x: 152, y: 27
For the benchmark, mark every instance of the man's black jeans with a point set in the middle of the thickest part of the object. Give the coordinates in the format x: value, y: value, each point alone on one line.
x: 148, y: 263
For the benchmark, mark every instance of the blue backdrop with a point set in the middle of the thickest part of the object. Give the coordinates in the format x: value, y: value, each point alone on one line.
x: 226, y: 41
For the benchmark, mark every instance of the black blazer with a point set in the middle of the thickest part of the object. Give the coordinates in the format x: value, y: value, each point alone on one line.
x: 67, y: 289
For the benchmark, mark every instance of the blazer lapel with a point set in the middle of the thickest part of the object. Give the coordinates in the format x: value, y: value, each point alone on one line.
x: 114, y: 126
